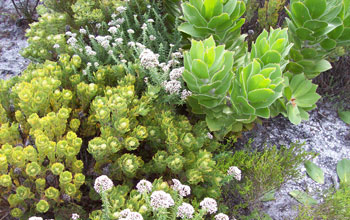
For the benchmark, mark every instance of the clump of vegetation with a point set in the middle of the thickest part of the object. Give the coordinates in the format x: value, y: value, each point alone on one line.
x: 262, y: 174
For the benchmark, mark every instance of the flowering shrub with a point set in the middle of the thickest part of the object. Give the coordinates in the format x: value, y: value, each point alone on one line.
x: 155, y: 200
x: 109, y: 96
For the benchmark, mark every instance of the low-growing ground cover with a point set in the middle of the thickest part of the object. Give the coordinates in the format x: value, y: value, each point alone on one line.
x: 113, y: 98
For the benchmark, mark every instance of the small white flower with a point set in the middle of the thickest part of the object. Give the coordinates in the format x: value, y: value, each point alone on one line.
x: 96, y: 64
x: 172, y: 86
x: 130, y: 31
x: 221, y: 216
x: 184, y: 190
x: 82, y: 31
x: 150, y: 20
x: 56, y: 46
x: 177, y: 55
x: 144, y: 26
x: 149, y: 59
x: 103, y: 183
x: 131, y: 44
x: 235, y: 172
x: 75, y: 216
x: 164, y: 67
x: 121, y: 56
x: 124, y: 61
x: 176, y: 185
x: 185, y: 210
x: 35, y: 218
x: 121, y: 9
x: 118, y: 26
x: 144, y: 186
x: 145, y: 79
x: 152, y: 38
x: 72, y: 41
x: 161, y: 199
x: 171, y: 45
x: 91, y: 37
x: 112, y: 30
x: 120, y: 20
x: 113, y: 16
x: 209, y: 135
x: 134, y: 216
x: 124, y: 213
x: 110, y: 52
x: 98, y: 25
x: 140, y: 46
x: 119, y: 41
x: 176, y: 73
x: 209, y: 205
x: 148, y: 6
x: 88, y: 64
x: 68, y: 33
x: 84, y: 72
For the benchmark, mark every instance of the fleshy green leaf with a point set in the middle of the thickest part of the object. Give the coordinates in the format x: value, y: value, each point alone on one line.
x: 345, y: 116
x: 303, y: 197
x: 314, y: 172
x: 343, y: 171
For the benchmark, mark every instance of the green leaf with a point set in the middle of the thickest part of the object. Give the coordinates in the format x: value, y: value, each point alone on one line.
x: 316, y: 7
x: 271, y: 57
x: 293, y: 114
x: 212, y: 8
x: 188, y: 28
x: 328, y: 44
x: 314, y: 172
x: 343, y: 171
x: 263, y: 112
x: 259, y: 95
x: 300, y: 13
x: 193, y: 16
x: 345, y: 116
x: 220, y: 20
x: 303, y: 197
x: 269, y: 196
x: 305, y: 34
x: 315, y: 25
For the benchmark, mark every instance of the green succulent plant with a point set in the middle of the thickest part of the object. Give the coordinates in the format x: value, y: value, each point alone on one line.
x: 317, y: 28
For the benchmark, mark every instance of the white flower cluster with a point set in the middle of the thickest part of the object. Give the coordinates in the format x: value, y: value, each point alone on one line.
x: 89, y: 51
x: 121, y: 9
x: 209, y: 205
x: 35, y: 218
x: 149, y: 59
x: 221, y: 216
x: 113, y: 30
x: 235, y: 172
x: 103, y: 183
x: 185, y: 93
x: 126, y: 214
x: 183, y: 190
x: 172, y: 86
x: 82, y: 31
x: 209, y: 135
x: 161, y: 199
x: 75, y: 216
x: 176, y: 73
x: 104, y: 41
x: 144, y: 186
x: 185, y: 210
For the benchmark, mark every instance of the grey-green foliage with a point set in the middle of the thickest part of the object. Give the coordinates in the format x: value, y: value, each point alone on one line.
x: 317, y: 28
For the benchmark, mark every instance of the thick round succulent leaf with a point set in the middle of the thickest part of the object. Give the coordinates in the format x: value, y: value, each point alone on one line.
x: 300, y: 13
x: 335, y: 23
x: 209, y: 43
x: 293, y: 114
x: 316, y: 7
x: 212, y: 86
x: 345, y: 34
x: 315, y: 25
x: 343, y: 171
x: 197, y: 50
x: 295, y: 67
x: 219, y: 59
x: 303, y: 113
x: 188, y: 28
x: 271, y: 57
x: 193, y: 15
x: 220, y: 22
x: 308, y: 99
x: 191, y: 81
x: 200, y: 69
x: 239, y: 10
x: 314, y: 172
x: 328, y: 44
x: 336, y: 33
x: 230, y: 6
x: 267, y: 71
x: 258, y: 82
x: 212, y: 8
x: 303, y: 88
x: 259, y: 95
x: 296, y: 81
x: 295, y: 55
x: 309, y: 53
x: 207, y: 101
x: 263, y: 112
x: 305, y: 34
x: 209, y: 56
x: 312, y: 68
x: 331, y: 12
x: 279, y: 44
x: 245, y: 106
x: 198, y: 4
